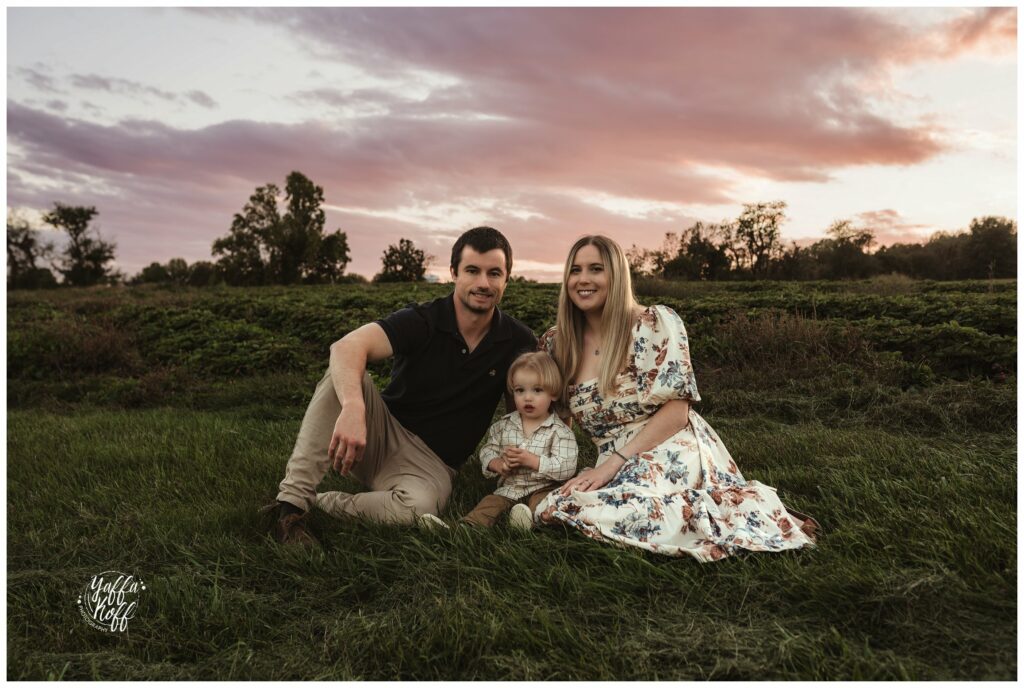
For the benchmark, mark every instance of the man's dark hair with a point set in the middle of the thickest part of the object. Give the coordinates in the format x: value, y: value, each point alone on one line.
x: 482, y: 240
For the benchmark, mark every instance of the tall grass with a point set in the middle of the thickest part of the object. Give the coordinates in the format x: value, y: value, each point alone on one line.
x: 914, y: 578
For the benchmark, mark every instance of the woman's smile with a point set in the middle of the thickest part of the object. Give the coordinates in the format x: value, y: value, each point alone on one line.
x: 588, y: 280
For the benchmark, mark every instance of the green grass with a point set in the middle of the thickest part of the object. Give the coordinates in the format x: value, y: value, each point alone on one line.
x: 915, y: 576
x: 147, y: 426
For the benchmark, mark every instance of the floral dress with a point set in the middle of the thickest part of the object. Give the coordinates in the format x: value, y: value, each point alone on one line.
x: 684, y: 496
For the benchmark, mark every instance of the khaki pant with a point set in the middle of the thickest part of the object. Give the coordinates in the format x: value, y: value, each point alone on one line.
x: 492, y: 506
x: 405, y: 477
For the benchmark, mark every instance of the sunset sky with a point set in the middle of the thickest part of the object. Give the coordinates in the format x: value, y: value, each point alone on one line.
x: 545, y: 123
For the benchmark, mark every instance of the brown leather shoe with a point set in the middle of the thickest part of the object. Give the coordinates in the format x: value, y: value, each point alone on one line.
x: 292, y: 529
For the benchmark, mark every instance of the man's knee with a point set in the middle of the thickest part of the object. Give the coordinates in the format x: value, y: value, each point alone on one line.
x: 409, y: 505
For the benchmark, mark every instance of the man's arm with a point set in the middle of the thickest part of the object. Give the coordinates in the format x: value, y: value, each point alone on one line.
x: 349, y: 356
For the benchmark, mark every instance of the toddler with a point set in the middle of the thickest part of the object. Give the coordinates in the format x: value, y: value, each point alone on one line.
x: 530, y: 449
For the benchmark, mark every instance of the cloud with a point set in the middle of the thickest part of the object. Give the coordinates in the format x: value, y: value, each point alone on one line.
x: 127, y: 87
x: 95, y: 82
x: 890, y: 227
x: 201, y: 98
x: 145, y: 177
x: 887, y: 225
x: 551, y: 112
x: 771, y: 92
x: 988, y: 29
x: 38, y: 79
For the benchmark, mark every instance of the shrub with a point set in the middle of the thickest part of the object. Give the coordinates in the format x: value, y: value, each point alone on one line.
x: 200, y: 341
x: 67, y: 346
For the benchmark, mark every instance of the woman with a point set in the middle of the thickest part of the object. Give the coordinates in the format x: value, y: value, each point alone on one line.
x: 663, y: 480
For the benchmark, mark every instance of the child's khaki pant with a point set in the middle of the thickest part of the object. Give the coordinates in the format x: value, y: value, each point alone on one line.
x: 405, y: 477
x: 492, y: 506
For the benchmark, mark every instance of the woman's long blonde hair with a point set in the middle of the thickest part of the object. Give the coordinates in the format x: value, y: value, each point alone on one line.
x: 616, y: 319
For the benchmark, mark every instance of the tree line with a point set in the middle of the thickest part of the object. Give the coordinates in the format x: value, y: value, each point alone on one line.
x: 751, y: 247
x: 279, y: 238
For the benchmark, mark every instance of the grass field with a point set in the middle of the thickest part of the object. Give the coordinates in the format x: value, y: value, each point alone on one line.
x: 146, y: 428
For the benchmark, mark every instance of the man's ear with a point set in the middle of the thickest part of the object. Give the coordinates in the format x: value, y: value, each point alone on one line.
x: 453, y: 273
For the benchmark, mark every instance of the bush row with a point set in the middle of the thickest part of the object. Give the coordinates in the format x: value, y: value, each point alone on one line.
x: 232, y: 332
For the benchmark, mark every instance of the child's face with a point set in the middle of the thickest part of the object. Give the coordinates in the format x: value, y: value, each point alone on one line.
x: 532, y: 400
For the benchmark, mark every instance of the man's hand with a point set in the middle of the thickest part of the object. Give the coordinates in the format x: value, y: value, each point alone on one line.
x: 520, y: 458
x: 499, y: 466
x: 349, y: 439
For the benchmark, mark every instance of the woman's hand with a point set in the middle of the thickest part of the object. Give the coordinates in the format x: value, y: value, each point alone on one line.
x: 591, y: 479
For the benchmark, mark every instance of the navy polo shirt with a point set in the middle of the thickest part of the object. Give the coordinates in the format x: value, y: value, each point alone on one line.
x: 441, y: 391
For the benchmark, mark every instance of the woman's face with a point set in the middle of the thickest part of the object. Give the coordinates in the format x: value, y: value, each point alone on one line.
x: 588, y: 280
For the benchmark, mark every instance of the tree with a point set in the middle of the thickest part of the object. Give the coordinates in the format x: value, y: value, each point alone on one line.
x: 639, y: 260
x: 797, y: 263
x: 85, y: 260
x: 245, y: 250
x: 202, y: 273
x: 700, y: 256
x: 154, y: 273
x: 844, y: 231
x: 843, y: 255
x: 331, y: 260
x: 265, y: 247
x: 991, y: 249
x: 23, y: 250
x: 295, y: 240
x: 177, y: 271
x: 403, y: 263
x: 758, y: 229
x: 945, y: 253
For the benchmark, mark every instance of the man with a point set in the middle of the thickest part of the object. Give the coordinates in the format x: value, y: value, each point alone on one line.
x: 451, y: 356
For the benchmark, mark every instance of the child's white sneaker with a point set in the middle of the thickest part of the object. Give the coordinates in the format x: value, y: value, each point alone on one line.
x: 521, y: 518
x: 432, y: 522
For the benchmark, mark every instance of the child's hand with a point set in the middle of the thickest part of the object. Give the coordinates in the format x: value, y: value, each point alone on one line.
x: 520, y: 458
x: 499, y: 466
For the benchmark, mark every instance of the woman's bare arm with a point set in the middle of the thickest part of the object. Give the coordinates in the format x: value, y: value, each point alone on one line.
x: 672, y: 417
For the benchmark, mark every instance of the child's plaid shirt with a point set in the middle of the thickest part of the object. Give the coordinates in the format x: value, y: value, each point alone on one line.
x: 552, y: 441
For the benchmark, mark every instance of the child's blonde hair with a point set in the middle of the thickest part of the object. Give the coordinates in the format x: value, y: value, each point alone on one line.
x: 544, y: 366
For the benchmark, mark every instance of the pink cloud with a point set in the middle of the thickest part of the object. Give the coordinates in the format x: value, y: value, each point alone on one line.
x: 684, y: 84
x: 636, y: 103
x: 990, y: 29
x: 890, y: 227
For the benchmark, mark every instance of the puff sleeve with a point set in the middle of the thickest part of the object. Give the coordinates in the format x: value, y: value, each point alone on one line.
x: 661, y: 354
x: 546, y: 343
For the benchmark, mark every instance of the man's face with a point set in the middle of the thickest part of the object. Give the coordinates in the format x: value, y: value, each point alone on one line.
x: 481, y: 279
